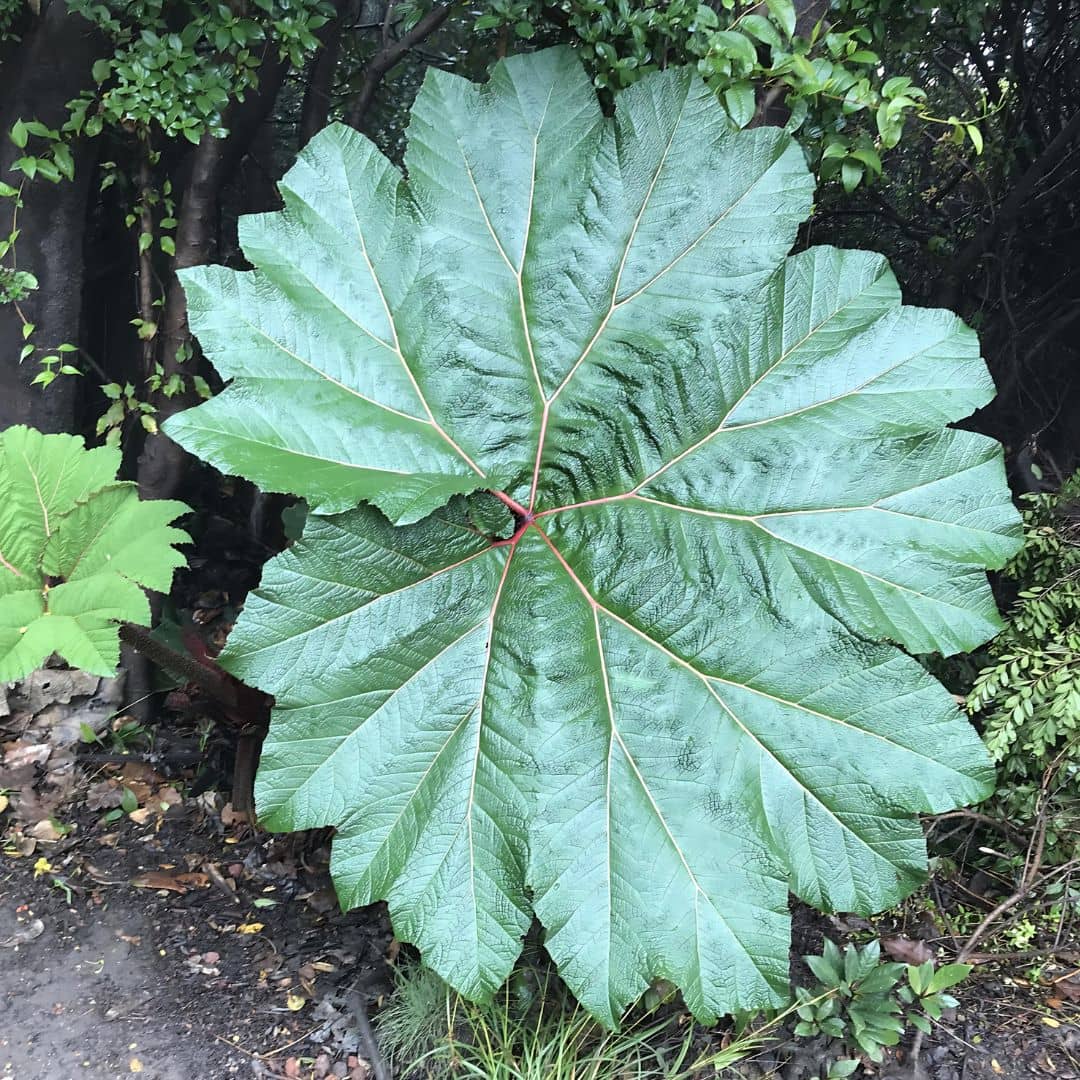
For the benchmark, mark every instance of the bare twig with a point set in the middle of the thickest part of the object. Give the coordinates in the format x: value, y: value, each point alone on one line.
x: 358, y: 1007
x: 974, y: 815
x: 387, y: 56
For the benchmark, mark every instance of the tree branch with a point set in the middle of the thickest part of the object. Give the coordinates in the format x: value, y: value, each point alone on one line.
x: 387, y: 56
x: 1017, y: 201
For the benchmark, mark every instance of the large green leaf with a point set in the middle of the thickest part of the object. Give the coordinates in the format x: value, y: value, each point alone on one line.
x: 76, y: 548
x: 666, y: 699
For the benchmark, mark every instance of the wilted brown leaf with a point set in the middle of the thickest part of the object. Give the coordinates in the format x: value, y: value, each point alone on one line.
x: 103, y: 795
x: 45, y: 831
x: 26, y: 753
x: 160, y: 879
x: 24, y: 935
x: 906, y: 950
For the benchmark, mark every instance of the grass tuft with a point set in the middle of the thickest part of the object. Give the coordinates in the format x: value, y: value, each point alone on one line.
x: 534, y: 1030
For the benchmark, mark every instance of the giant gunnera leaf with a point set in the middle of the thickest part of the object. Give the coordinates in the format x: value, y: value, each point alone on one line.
x: 77, y: 549
x: 657, y: 677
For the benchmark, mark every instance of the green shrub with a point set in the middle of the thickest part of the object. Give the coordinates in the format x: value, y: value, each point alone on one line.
x: 1028, y: 695
x: 868, y: 1004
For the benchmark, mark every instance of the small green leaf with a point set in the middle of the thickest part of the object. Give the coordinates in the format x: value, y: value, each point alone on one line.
x: 838, y: 1070
x: 64, y: 161
x: 739, y: 100
x: 19, y: 134
x: 851, y: 172
x: 828, y: 974
x: 896, y: 85
x: 762, y: 29
x: 66, y: 523
x: 783, y: 12
x: 948, y: 976
x: 975, y: 135
x: 738, y: 46
x: 869, y: 158
x: 128, y: 801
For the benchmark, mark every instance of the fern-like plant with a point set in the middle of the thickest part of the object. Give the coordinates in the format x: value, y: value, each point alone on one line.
x: 1028, y: 695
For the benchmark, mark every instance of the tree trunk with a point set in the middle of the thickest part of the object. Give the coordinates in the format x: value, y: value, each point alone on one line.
x: 162, y: 463
x: 318, y: 94
x: 49, y: 68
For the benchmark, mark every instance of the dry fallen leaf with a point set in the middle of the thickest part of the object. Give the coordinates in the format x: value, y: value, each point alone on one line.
x: 18, y: 845
x: 906, y: 950
x: 135, y: 1065
x: 249, y: 928
x: 180, y: 883
x: 3, y: 803
x: 24, y: 935
x: 169, y: 796
x: 45, y: 831
x: 103, y: 795
x: 21, y: 753
x: 295, y: 1002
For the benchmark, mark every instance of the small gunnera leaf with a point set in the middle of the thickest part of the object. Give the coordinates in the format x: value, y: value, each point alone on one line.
x: 77, y: 548
x: 668, y: 685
